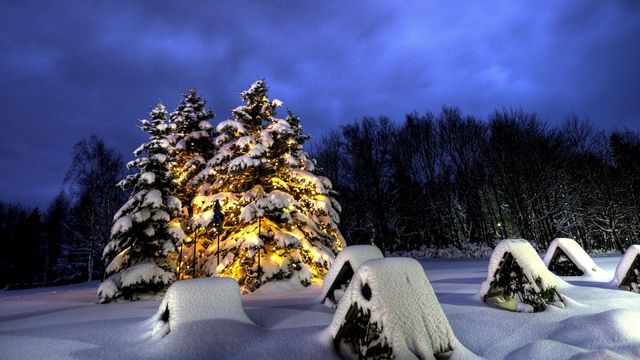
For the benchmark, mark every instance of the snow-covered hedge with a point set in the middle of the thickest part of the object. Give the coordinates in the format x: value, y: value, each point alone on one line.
x: 470, y: 250
x: 343, y: 268
x: 196, y: 300
x: 517, y: 278
x: 628, y: 270
x: 390, y: 310
x: 565, y: 257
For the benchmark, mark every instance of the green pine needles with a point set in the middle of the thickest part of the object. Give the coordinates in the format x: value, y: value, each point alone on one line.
x: 361, y: 337
x: 563, y: 266
x: 631, y: 282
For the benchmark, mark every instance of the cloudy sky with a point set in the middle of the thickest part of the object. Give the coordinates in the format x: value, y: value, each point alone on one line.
x: 69, y: 69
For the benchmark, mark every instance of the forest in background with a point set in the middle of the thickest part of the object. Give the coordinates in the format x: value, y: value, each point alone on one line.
x: 434, y: 180
x: 449, y: 179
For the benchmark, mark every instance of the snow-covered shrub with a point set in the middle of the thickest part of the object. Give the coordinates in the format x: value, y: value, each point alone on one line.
x: 517, y: 279
x: 628, y: 270
x: 563, y: 266
x: 361, y: 338
x: 470, y: 250
x: 196, y: 300
x: 565, y: 257
x: 342, y: 270
x: 390, y: 310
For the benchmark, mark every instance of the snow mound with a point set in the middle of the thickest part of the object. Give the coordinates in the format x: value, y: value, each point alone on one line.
x: 625, y: 266
x: 198, y: 299
x: 343, y: 268
x: 601, y: 354
x: 575, y: 253
x: 541, y: 349
x: 607, y: 329
x: 400, y: 300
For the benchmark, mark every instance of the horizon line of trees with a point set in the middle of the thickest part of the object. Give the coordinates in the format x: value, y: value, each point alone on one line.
x: 451, y: 179
x: 432, y: 181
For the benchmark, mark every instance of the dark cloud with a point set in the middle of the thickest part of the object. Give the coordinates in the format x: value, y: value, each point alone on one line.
x: 70, y: 69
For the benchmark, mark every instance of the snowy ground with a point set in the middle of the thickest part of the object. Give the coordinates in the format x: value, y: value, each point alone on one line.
x: 599, y: 322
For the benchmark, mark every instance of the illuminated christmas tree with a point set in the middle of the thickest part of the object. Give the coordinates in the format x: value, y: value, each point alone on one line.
x: 280, y: 219
x: 146, y: 229
x: 190, y: 136
x: 191, y: 140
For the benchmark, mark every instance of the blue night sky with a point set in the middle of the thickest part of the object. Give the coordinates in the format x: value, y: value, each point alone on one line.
x: 69, y: 69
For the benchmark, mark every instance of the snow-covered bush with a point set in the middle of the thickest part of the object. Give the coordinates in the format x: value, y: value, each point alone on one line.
x: 517, y: 279
x: 196, y: 300
x: 342, y: 270
x: 565, y: 257
x: 470, y: 250
x: 390, y: 310
x: 628, y: 270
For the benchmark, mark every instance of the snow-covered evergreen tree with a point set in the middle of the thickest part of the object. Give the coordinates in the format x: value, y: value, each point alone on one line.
x: 191, y: 137
x: 145, y: 232
x: 280, y: 219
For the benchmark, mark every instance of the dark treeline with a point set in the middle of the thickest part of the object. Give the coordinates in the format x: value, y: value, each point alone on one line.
x: 64, y: 244
x: 451, y: 179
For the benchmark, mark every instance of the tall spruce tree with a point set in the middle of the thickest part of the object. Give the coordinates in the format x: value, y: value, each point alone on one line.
x: 191, y: 136
x: 145, y: 232
x: 192, y: 142
x: 280, y: 218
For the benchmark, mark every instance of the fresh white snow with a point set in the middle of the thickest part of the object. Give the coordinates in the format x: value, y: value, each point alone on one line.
x: 66, y: 323
x: 577, y: 255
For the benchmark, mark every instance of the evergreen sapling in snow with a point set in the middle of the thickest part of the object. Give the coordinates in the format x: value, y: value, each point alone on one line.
x: 146, y: 231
